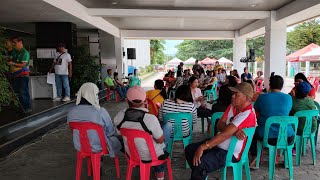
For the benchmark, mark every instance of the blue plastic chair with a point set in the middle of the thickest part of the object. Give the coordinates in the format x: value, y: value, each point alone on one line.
x: 318, y: 122
x: 178, y: 134
x: 215, y: 116
x: 306, y: 135
x: 212, y: 91
x: 284, y: 122
x: 244, y: 161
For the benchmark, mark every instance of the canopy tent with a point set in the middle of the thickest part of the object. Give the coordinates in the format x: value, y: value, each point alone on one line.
x: 190, y: 61
x: 174, y: 61
x: 207, y: 61
x: 295, y: 57
x: 224, y: 60
x: 313, y: 55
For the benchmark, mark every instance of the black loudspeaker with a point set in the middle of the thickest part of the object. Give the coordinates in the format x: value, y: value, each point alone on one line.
x: 131, y: 52
x: 252, y: 56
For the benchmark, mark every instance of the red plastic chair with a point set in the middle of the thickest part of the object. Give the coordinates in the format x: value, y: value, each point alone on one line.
x: 134, y: 159
x: 316, y: 83
x: 86, y: 151
x: 259, y: 85
x: 153, y: 106
x: 111, y: 93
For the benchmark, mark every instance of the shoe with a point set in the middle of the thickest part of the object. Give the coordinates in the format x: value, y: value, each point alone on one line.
x: 57, y: 99
x: 253, y: 164
x: 294, y: 152
x: 65, y: 99
x: 160, y: 175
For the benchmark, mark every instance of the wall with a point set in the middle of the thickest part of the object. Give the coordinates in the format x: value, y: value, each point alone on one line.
x: 142, y: 52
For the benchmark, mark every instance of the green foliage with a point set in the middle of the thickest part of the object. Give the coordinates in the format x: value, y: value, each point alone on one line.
x: 258, y: 45
x: 303, y: 35
x: 200, y: 49
x: 6, y: 95
x: 147, y: 69
x: 156, y: 51
x: 85, y: 68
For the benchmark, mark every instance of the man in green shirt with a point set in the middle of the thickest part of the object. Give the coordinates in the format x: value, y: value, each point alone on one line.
x: 110, y: 84
x: 20, y: 72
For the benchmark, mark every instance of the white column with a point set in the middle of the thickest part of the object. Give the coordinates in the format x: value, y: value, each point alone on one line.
x: 289, y: 69
x: 307, y: 68
x: 119, y: 46
x: 255, y: 68
x: 275, y: 48
x: 239, y: 51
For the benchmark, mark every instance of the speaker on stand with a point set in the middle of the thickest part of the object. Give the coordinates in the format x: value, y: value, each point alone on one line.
x: 131, y: 52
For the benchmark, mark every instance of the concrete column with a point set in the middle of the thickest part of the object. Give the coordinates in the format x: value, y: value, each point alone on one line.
x: 255, y: 68
x: 275, y: 48
x: 239, y: 51
x: 119, y: 48
x: 307, y: 68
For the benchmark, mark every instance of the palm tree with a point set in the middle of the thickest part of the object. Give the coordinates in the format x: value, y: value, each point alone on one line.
x: 157, y: 51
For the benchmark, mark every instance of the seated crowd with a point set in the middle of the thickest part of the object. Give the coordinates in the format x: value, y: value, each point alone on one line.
x: 242, y: 107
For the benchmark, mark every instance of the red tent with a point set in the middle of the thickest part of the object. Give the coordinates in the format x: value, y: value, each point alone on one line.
x: 295, y: 57
x: 208, y: 60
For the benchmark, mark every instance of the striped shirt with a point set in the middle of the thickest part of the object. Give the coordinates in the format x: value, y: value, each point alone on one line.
x: 173, y: 107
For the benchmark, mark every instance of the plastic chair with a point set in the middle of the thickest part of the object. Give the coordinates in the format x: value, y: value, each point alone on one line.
x: 151, y: 105
x: 178, y: 134
x: 112, y: 94
x: 215, y: 116
x: 259, y: 85
x: 284, y: 122
x: 318, y: 123
x: 134, y: 159
x: 306, y: 135
x: 244, y: 161
x: 212, y: 91
x: 93, y: 158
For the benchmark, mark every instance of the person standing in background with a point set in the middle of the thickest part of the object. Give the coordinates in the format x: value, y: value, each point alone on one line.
x: 19, y: 67
x: 63, y: 71
x: 196, y: 67
x: 246, y: 75
x: 180, y: 68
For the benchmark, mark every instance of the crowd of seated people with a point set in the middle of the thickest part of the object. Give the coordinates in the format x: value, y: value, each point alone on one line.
x: 235, y: 100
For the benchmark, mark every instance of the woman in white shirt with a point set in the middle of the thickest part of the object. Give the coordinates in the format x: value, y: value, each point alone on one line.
x: 198, y: 100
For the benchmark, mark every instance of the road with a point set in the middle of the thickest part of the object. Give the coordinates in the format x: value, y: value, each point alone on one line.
x: 148, y: 83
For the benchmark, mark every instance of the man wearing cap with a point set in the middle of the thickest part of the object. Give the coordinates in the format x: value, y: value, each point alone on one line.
x: 274, y: 103
x: 137, y: 117
x: 210, y: 155
x: 63, y: 71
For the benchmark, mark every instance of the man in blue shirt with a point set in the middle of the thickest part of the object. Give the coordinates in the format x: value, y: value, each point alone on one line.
x: 274, y: 103
x: 246, y: 75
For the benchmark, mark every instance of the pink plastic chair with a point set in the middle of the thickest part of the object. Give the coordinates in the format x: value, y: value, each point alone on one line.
x: 259, y: 85
x: 153, y: 106
x: 110, y: 93
x: 316, y: 83
x: 134, y: 158
x: 86, y: 151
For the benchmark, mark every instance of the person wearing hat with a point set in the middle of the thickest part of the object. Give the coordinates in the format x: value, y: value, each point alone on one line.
x: 302, y: 101
x: 63, y: 71
x: 273, y: 103
x: 88, y: 109
x: 137, y: 117
x: 210, y: 155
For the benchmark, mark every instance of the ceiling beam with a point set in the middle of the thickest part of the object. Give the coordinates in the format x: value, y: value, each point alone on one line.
x: 254, y: 29
x: 298, y: 11
x: 106, y: 12
x: 158, y: 34
x: 78, y: 10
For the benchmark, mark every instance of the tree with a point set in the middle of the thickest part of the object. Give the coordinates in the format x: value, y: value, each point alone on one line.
x: 201, y: 49
x: 303, y: 35
x: 7, y: 96
x: 156, y: 51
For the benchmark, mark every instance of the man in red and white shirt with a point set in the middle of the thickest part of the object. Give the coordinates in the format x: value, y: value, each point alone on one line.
x: 210, y: 155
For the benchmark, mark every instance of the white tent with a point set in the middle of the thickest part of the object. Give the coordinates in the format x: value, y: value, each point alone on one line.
x: 174, y: 61
x: 313, y: 55
x: 224, y: 60
x: 190, y: 61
